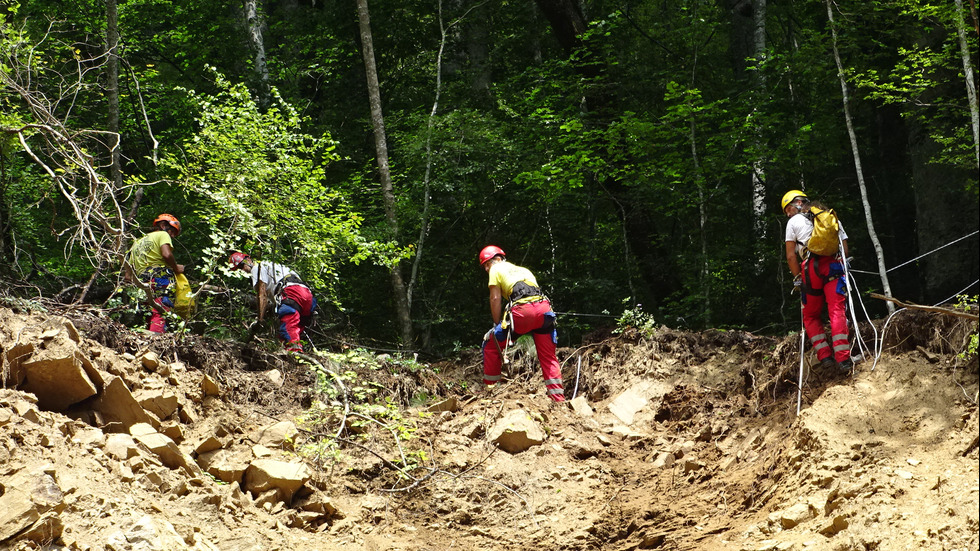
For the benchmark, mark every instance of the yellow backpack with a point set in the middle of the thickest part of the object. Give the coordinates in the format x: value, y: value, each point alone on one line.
x: 824, y: 240
x: 186, y: 303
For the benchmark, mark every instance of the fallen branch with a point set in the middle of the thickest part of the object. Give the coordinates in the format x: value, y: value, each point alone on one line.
x: 938, y: 309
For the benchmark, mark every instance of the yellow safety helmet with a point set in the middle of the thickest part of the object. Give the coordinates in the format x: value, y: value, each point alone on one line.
x: 790, y: 195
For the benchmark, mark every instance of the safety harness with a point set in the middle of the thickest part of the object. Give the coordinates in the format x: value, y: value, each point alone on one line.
x: 289, y: 281
x: 525, y: 293
x: 808, y: 287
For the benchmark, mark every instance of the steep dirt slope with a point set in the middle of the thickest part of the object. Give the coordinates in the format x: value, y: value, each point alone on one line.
x: 674, y: 441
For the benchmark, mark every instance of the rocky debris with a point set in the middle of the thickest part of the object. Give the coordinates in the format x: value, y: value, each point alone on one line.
x: 152, y: 534
x: 131, y: 415
x: 874, y: 462
x: 29, y: 505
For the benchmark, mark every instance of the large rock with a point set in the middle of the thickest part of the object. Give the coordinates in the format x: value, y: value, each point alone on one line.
x: 516, y: 432
x: 147, y: 534
x: 278, y: 435
x: 627, y: 404
x: 120, y: 446
x: 225, y: 465
x: 59, y: 377
x: 160, y: 402
x: 26, y: 500
x: 580, y: 405
x: 168, y: 452
x: 118, y: 405
x: 285, y: 477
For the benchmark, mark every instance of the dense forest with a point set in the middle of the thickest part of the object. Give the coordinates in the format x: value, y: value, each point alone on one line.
x: 632, y: 153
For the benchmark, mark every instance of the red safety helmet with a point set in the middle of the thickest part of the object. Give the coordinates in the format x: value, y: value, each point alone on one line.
x: 237, y: 259
x: 170, y: 219
x: 489, y: 252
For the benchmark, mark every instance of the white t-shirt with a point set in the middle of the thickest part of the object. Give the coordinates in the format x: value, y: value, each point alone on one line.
x: 270, y: 273
x: 799, y: 228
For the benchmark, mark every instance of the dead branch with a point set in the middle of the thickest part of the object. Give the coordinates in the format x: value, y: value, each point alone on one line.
x: 912, y: 305
x: 70, y: 157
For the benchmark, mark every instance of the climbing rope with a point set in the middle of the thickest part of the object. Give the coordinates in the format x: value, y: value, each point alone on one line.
x: 921, y: 255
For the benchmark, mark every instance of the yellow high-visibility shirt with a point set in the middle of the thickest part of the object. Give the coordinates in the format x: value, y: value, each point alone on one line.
x: 145, y: 252
x: 505, y: 275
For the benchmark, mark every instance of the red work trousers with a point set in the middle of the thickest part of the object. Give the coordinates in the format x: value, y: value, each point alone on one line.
x: 291, y: 319
x: 538, y: 319
x: 823, y: 283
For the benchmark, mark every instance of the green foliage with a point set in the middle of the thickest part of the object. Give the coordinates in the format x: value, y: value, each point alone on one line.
x: 635, y: 321
x: 925, y: 77
x: 968, y: 303
x: 370, y: 405
x: 258, y: 183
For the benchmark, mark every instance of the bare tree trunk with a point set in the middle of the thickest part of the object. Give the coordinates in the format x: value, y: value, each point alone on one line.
x: 112, y: 86
x: 402, y: 308
x: 758, y: 164
x: 971, y: 85
x: 702, y: 223
x: 882, y: 271
x: 254, y: 24
x: 112, y: 98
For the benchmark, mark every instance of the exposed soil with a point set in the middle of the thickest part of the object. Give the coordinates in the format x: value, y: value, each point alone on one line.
x: 683, y: 441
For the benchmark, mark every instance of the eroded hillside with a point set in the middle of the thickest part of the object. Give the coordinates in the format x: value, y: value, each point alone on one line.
x: 674, y: 441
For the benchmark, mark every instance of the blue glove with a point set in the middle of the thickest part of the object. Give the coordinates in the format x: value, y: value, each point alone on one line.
x: 496, y: 332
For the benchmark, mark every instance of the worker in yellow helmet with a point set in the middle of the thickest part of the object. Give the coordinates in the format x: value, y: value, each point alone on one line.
x: 819, y: 276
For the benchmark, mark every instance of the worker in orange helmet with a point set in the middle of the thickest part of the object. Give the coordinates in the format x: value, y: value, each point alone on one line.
x: 527, y: 311
x: 151, y: 262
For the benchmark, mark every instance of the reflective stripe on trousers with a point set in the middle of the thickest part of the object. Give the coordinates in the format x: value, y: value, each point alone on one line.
x: 818, y: 269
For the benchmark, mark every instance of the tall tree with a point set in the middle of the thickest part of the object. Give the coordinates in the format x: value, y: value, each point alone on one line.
x: 254, y: 25
x: 402, y: 308
x: 971, y: 83
x: 856, y: 153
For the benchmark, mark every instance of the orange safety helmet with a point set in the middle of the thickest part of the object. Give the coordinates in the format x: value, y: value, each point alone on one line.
x: 237, y: 259
x: 170, y: 219
x: 489, y: 252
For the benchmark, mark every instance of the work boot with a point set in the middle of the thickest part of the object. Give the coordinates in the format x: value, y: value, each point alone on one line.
x: 828, y: 362
x: 845, y: 366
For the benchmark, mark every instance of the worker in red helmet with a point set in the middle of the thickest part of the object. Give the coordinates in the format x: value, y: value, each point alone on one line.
x: 527, y: 311
x: 281, y: 286
x: 151, y: 262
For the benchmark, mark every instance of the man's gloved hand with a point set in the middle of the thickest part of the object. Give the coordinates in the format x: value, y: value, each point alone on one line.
x: 797, y: 282
x: 495, y: 332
